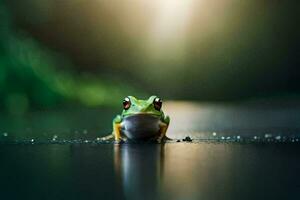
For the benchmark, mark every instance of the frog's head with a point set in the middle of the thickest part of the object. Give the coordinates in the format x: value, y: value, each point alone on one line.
x: 133, y: 106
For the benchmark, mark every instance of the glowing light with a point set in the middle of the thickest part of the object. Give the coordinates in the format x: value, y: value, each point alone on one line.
x: 170, y: 26
x: 171, y: 18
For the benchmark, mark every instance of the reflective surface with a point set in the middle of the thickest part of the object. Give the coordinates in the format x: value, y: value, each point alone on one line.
x: 150, y: 171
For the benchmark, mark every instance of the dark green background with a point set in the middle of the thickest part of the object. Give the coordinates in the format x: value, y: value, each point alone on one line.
x: 92, y: 53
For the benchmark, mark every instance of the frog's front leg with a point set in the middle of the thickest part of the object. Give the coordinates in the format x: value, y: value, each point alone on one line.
x: 117, y: 128
x: 163, y: 129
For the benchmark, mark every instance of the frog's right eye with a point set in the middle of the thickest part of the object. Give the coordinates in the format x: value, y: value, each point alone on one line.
x: 126, y: 103
x: 157, y: 103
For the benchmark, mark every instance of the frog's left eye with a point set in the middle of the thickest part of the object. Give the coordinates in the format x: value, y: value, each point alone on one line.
x: 157, y: 102
x: 126, y: 103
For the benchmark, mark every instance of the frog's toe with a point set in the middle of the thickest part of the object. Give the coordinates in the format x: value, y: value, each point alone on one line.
x: 167, y: 138
x: 106, y: 138
x: 164, y: 139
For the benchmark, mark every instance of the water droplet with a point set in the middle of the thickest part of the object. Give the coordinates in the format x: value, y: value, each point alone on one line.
x: 238, y: 137
x: 54, y: 137
x: 222, y: 137
x: 98, y: 139
x: 228, y: 138
x: 278, y: 137
x: 268, y: 135
x: 32, y: 140
x: 255, y: 137
x: 214, y: 133
x: 5, y: 134
x: 86, y: 141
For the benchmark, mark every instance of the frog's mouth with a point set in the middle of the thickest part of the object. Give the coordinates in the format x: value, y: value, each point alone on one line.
x: 140, y: 126
x: 142, y: 113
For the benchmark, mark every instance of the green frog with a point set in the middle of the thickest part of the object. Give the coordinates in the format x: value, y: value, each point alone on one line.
x: 140, y: 120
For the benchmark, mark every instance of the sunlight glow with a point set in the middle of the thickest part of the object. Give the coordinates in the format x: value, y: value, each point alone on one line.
x: 171, y: 18
x: 170, y: 25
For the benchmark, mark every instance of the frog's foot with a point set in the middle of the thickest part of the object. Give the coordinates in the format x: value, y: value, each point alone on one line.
x: 121, y: 140
x: 158, y: 140
x: 162, y: 139
x: 118, y: 141
x: 108, y: 137
x: 112, y: 137
x: 167, y: 138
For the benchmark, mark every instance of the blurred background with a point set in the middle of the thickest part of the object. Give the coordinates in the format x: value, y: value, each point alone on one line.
x: 91, y: 53
x: 228, y: 70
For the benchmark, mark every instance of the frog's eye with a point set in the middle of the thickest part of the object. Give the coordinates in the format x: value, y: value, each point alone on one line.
x: 126, y: 103
x: 157, y: 102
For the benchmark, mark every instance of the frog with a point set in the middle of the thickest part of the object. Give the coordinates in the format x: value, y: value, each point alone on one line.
x: 140, y: 120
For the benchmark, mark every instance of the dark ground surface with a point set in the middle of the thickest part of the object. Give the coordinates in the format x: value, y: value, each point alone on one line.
x: 150, y: 171
x: 239, y: 151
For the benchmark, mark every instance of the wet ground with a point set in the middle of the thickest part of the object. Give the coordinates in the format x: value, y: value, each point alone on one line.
x: 238, y: 151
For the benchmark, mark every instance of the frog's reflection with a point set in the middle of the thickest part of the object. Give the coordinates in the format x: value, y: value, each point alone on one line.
x: 139, y: 167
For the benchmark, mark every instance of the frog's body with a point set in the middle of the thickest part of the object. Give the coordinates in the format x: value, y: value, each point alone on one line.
x: 140, y: 120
